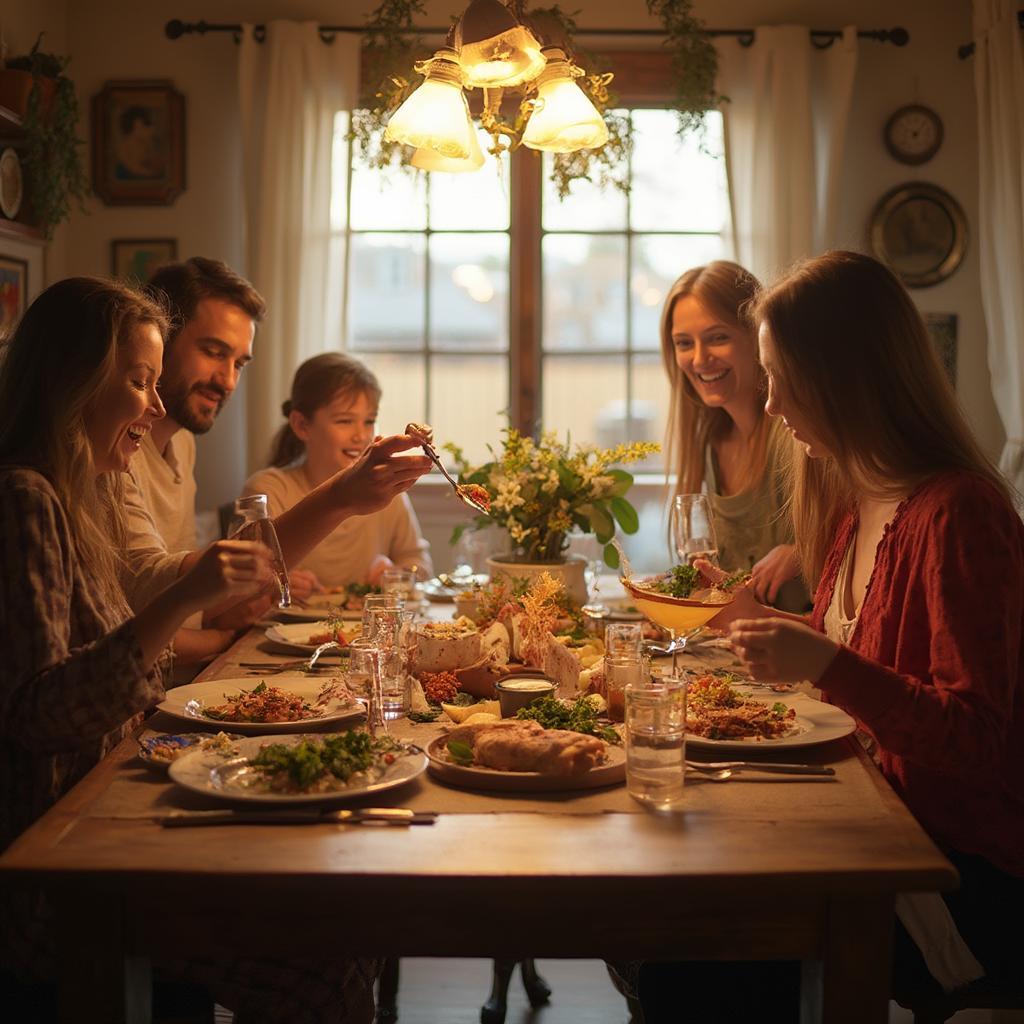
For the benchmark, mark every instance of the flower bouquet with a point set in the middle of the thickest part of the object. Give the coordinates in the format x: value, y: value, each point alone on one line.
x: 539, y: 492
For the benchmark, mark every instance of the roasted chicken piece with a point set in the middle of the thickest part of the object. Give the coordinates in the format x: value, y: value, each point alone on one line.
x: 516, y: 746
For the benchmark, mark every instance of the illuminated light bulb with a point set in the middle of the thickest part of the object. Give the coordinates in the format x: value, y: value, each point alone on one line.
x: 494, y: 49
x: 430, y: 160
x: 436, y: 115
x: 564, y: 119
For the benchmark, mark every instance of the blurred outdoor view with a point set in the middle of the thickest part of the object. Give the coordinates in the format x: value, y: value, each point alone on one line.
x: 427, y: 302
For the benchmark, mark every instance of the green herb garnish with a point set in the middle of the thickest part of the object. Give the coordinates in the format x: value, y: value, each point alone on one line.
x: 424, y: 716
x: 461, y: 753
x: 308, y: 761
x: 579, y: 716
x: 681, y: 581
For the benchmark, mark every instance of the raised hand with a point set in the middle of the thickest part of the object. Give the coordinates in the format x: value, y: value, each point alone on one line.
x: 226, y: 569
x: 379, y: 474
x: 779, y: 566
x: 303, y: 584
x: 779, y: 650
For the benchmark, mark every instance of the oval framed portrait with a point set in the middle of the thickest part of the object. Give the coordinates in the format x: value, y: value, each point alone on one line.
x: 920, y: 232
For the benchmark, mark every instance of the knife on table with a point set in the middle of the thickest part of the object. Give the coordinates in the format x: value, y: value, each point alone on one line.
x: 311, y: 816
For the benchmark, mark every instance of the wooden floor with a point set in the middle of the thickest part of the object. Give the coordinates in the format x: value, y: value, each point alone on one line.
x: 452, y: 991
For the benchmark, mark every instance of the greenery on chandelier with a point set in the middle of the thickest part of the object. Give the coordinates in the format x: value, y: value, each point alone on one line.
x: 392, y: 50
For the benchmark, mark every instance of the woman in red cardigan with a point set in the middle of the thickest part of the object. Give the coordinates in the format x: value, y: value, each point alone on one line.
x: 917, y: 623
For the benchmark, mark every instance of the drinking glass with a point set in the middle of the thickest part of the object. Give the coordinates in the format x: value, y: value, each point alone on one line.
x: 388, y: 633
x: 401, y: 582
x: 373, y: 602
x: 693, y: 529
x: 656, y: 742
x: 620, y: 672
x: 623, y: 638
x: 364, y: 665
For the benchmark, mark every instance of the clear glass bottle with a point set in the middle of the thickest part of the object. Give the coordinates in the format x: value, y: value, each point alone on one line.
x: 256, y: 524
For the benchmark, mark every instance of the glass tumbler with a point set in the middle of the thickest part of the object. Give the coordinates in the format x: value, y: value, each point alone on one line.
x: 656, y: 742
x: 401, y: 582
x: 622, y: 670
x: 388, y: 634
x: 623, y: 639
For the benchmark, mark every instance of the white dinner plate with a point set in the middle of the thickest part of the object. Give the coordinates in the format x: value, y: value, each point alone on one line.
x: 294, y: 636
x: 315, y: 613
x: 233, y: 779
x: 187, y: 702
x: 816, y: 722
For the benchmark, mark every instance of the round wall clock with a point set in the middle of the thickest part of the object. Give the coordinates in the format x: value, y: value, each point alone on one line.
x: 10, y: 183
x: 913, y: 134
x: 920, y: 232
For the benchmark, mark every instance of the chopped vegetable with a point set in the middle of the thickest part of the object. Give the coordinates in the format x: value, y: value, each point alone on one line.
x: 579, y: 716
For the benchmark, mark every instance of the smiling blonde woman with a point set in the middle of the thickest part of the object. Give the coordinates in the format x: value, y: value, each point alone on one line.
x: 719, y: 436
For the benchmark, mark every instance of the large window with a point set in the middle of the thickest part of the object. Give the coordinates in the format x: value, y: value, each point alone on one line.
x: 473, y: 307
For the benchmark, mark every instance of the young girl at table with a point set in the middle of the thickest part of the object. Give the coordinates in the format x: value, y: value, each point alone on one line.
x: 78, y: 390
x: 722, y: 441
x: 332, y: 416
x: 917, y: 625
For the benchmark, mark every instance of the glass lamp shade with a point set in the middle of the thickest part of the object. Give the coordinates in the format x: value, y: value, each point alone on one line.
x: 431, y: 160
x: 509, y: 59
x: 565, y: 120
x: 436, y: 117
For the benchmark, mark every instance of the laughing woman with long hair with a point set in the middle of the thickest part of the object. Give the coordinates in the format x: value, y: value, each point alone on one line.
x: 719, y: 437
x: 918, y: 622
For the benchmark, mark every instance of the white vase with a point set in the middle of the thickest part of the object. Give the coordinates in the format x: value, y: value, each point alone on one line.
x: 569, y: 570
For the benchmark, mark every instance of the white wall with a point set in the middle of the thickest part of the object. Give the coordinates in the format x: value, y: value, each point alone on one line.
x: 118, y: 39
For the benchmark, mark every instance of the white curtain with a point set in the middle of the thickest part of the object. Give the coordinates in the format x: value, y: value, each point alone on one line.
x: 999, y: 87
x: 290, y: 88
x: 785, y: 128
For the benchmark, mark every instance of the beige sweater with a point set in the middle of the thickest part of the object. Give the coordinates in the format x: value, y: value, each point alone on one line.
x: 344, y: 556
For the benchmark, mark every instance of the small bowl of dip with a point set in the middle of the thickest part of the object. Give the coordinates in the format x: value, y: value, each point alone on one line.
x: 518, y: 691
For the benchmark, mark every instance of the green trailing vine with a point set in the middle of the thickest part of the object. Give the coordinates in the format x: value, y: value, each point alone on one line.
x: 53, y: 161
x: 694, y: 62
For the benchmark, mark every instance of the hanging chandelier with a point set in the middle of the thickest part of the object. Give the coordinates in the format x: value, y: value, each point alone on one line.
x: 493, y: 48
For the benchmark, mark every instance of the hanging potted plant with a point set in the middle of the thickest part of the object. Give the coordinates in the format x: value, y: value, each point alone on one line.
x: 539, y: 492
x: 37, y: 90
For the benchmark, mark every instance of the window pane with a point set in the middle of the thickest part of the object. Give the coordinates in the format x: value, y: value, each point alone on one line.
x: 657, y: 261
x: 651, y: 394
x: 388, y: 198
x: 468, y: 401
x: 676, y: 186
x: 471, y: 201
x: 386, y: 292
x: 585, y: 395
x: 403, y: 384
x: 584, y: 282
x: 469, y: 291
x: 587, y: 206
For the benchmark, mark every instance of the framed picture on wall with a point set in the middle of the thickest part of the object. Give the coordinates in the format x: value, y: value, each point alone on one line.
x: 138, y: 143
x: 13, y: 292
x: 135, y: 259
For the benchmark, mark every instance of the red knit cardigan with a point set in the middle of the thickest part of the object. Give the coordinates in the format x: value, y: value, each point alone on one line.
x: 933, y: 669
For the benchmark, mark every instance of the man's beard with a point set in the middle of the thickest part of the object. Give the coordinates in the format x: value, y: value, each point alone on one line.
x: 175, y: 401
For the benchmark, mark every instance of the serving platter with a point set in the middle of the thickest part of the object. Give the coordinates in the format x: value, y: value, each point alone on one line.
x: 233, y: 779
x: 187, y: 703
x: 612, y: 773
x: 816, y: 722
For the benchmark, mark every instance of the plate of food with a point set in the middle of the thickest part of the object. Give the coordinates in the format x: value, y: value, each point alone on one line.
x: 528, y: 754
x: 344, y: 602
x: 246, y: 706
x: 303, y: 769
x: 445, y: 587
x: 160, y: 750
x: 726, y: 716
x: 307, y: 637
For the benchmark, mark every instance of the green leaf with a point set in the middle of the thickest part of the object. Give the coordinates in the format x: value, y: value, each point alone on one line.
x: 457, y: 533
x: 602, y: 523
x: 462, y: 753
x: 611, y: 556
x: 623, y: 482
x: 568, y: 480
x: 625, y: 514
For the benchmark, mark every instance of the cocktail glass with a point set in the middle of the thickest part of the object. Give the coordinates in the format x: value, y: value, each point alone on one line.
x: 681, y: 616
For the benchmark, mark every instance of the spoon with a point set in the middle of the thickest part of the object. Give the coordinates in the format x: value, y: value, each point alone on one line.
x: 460, y: 491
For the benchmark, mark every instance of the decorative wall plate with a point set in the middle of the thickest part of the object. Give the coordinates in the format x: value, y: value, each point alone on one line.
x: 920, y: 232
x: 10, y: 183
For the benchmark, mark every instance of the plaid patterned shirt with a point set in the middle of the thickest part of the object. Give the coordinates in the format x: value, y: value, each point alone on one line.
x: 72, y: 677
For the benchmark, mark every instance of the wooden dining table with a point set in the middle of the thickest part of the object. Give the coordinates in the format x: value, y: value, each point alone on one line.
x: 778, y: 870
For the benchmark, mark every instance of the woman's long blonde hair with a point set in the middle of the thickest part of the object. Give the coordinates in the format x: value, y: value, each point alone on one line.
x: 54, y: 365
x: 726, y: 290
x: 854, y: 356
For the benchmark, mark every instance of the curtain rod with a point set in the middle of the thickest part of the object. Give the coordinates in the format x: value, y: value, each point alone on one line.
x: 821, y: 37
x: 967, y: 49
